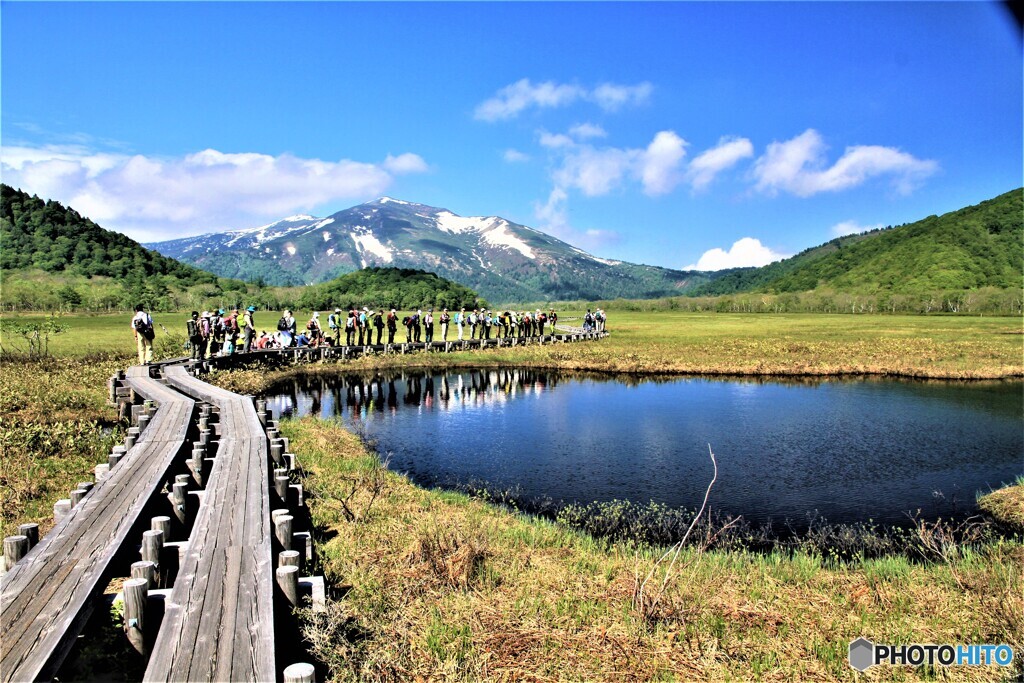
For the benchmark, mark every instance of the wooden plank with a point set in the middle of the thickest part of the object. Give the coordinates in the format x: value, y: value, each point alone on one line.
x: 47, y: 597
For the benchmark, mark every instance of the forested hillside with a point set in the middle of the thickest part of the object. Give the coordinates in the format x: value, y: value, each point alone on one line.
x: 52, y: 257
x: 975, y: 247
x: 399, y: 288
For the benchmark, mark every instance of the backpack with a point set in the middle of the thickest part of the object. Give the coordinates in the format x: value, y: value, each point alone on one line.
x: 350, y: 323
x: 406, y: 320
x: 282, y: 324
x: 193, y: 328
x: 309, y: 325
x: 543, y: 317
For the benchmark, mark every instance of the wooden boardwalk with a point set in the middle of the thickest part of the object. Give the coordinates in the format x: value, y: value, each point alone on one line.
x: 218, y: 618
x: 48, y: 595
x: 218, y: 621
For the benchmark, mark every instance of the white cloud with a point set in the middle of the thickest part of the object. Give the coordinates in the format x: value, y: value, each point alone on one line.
x: 661, y: 161
x: 554, y: 140
x: 514, y: 156
x: 553, y: 216
x: 611, y: 97
x: 596, y: 172
x: 405, y: 163
x: 798, y: 166
x: 152, y: 198
x: 745, y: 252
x: 585, y: 131
x: 703, y: 169
x: 852, y: 228
x: 513, y: 99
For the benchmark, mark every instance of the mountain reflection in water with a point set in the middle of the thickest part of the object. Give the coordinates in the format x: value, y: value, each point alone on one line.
x: 849, y: 450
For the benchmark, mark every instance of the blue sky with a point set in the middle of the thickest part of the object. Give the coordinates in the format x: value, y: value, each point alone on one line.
x: 677, y: 134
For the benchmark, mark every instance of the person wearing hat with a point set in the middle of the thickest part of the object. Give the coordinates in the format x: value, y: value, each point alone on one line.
x: 460, y: 321
x: 378, y: 322
x: 334, y: 323
x: 392, y: 325
x: 195, y: 338
x: 445, y: 319
x: 205, y: 331
x: 316, y: 333
x: 428, y: 326
x: 216, y: 331
x: 248, y: 325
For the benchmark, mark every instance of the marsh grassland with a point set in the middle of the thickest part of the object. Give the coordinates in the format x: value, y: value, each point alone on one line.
x: 435, y: 585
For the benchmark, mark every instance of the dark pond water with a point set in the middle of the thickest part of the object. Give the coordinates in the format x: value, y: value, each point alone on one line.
x: 847, y: 450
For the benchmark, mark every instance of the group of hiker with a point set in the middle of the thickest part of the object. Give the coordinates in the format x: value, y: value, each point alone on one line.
x: 216, y: 332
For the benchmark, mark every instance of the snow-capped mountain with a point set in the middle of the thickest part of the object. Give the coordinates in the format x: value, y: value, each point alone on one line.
x: 504, y: 261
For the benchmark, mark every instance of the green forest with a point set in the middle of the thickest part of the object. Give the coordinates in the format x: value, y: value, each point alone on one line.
x: 398, y: 288
x: 976, y: 247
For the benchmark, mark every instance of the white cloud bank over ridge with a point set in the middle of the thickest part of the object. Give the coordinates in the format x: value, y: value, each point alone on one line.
x: 852, y: 228
x: 797, y: 166
x: 744, y: 253
x: 152, y: 198
x: 513, y: 99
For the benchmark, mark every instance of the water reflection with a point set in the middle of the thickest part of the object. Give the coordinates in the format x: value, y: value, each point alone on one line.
x: 851, y: 450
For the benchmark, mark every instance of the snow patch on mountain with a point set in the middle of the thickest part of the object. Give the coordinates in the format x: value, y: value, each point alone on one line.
x: 368, y: 242
x: 385, y: 200
x: 494, y: 231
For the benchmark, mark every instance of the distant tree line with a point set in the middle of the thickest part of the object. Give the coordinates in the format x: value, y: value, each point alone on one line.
x: 398, y: 288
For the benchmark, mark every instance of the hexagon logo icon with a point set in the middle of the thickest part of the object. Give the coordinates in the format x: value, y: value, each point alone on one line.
x: 862, y: 654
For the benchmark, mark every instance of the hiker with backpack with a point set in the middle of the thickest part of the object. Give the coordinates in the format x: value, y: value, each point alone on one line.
x: 142, y: 328
x: 417, y: 325
x: 378, y: 323
x: 364, y: 327
x: 474, y: 320
x: 407, y: 322
x: 542, y: 319
x: 315, y: 332
x: 334, y: 324
x: 248, y: 327
x: 286, y: 329
x: 194, y: 337
x: 428, y: 326
x: 392, y: 325
x: 445, y: 319
x: 216, y: 331
x: 350, y: 328
x: 460, y: 321
x: 230, y: 332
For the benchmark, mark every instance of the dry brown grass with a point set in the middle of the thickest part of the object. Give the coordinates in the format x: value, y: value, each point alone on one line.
x: 448, y: 588
x: 1006, y: 505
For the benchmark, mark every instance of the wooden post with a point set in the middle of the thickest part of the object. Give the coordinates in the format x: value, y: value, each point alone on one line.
x: 179, y: 499
x: 102, y: 470
x: 144, y: 569
x: 277, y: 451
x: 136, y: 411
x: 283, y: 531
x: 300, y: 673
x: 152, y: 545
x: 114, y: 458
x: 162, y: 524
x: 143, y: 422
x: 85, y: 486
x: 135, y: 595
x: 288, y: 582
x: 15, y: 548
x: 288, y: 558
x: 281, y: 487
x: 76, y: 496
x: 129, y: 440
x: 31, y: 532
x: 61, y: 509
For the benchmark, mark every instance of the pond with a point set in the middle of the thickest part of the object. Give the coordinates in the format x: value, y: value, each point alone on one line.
x: 845, y: 450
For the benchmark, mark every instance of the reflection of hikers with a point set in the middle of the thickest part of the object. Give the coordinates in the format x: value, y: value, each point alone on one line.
x: 248, y: 326
x: 142, y: 327
x: 392, y: 326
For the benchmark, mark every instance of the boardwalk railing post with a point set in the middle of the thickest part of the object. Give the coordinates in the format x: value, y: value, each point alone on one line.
x: 288, y: 582
x: 136, y: 592
x: 15, y: 548
x: 31, y: 532
x: 61, y: 509
x: 300, y: 673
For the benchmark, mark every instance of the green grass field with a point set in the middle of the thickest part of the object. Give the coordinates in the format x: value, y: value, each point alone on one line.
x: 713, y: 343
